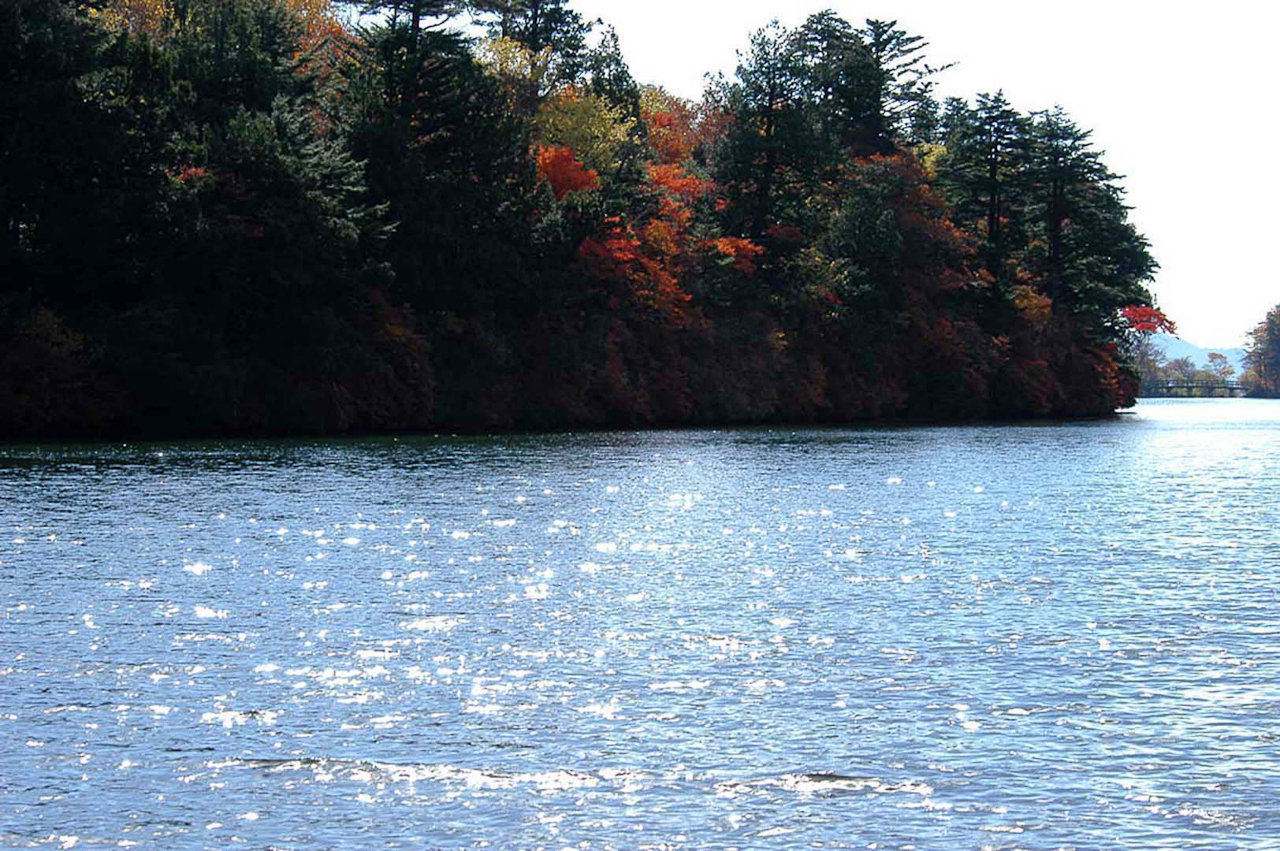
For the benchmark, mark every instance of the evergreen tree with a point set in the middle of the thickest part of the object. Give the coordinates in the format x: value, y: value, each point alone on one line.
x: 540, y: 25
x: 903, y: 80
x: 983, y: 171
x: 841, y: 81
x: 47, y: 48
x: 411, y: 17
x: 451, y: 165
x: 1262, y: 354
x: 609, y: 77
x: 769, y: 154
x: 1088, y: 255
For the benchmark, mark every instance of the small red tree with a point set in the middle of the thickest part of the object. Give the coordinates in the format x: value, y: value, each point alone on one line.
x: 1147, y: 320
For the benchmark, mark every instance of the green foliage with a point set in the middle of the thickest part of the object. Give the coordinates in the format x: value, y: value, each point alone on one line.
x: 452, y: 164
x: 1048, y: 212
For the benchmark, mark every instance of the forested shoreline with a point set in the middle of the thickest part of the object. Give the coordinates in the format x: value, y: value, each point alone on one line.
x: 291, y: 217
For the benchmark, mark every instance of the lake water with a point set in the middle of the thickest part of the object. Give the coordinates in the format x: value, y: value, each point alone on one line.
x: 1023, y: 636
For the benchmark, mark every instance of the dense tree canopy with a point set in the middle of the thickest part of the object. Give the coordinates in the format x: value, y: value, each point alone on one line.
x: 291, y: 215
x: 1262, y: 355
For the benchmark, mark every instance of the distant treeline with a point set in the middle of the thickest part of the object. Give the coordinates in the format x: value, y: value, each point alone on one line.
x: 283, y: 216
x: 1261, y: 375
x: 1158, y: 371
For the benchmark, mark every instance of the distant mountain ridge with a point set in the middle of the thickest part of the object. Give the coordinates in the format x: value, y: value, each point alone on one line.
x: 1176, y: 347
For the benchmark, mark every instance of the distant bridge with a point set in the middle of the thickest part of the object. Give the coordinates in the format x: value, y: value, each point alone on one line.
x: 1175, y: 389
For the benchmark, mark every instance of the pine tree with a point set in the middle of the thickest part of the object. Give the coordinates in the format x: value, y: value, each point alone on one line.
x: 540, y: 25
x: 412, y: 17
x: 609, y: 77
x: 841, y: 82
x: 903, y: 79
x: 1084, y: 251
x: 768, y: 156
x: 983, y: 171
x: 1080, y: 209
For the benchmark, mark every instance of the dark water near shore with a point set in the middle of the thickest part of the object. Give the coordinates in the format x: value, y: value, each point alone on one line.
x: 1036, y: 636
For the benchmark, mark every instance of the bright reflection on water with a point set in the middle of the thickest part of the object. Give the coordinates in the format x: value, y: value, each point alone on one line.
x: 1032, y: 636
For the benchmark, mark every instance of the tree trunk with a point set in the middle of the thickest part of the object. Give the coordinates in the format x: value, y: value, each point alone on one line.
x: 533, y: 34
x: 993, y: 212
x: 1053, y: 230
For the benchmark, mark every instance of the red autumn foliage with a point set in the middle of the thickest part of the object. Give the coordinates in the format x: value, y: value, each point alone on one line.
x: 189, y: 173
x: 678, y: 128
x: 676, y: 190
x: 643, y: 265
x: 1147, y: 320
x: 610, y: 254
x: 712, y: 125
x: 1027, y: 387
x: 559, y: 167
x: 786, y: 234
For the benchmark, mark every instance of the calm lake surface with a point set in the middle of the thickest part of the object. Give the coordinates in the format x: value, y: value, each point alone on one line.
x: 1035, y: 636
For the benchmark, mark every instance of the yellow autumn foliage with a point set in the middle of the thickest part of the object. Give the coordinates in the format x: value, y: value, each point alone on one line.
x: 588, y: 124
x: 657, y: 99
x: 1035, y: 307
x: 137, y: 16
x: 523, y: 72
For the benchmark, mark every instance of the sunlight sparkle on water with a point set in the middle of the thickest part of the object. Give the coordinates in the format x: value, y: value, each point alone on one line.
x: 1024, y: 636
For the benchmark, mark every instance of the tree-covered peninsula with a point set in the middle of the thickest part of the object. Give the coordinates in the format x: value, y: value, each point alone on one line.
x: 285, y: 216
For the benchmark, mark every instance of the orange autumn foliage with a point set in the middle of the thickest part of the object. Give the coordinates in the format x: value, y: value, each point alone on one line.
x: 618, y: 255
x: 560, y: 168
x: 651, y: 257
x: 319, y: 20
x: 672, y: 180
x: 670, y: 123
x: 1035, y: 308
x: 744, y: 252
x: 676, y: 190
x: 662, y: 238
x: 676, y: 127
x: 671, y: 135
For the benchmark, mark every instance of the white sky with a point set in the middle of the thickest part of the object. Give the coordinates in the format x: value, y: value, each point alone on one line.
x: 1179, y: 95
